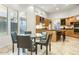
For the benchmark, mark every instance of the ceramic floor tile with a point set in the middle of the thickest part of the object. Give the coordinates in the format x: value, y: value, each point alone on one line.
x: 69, y: 47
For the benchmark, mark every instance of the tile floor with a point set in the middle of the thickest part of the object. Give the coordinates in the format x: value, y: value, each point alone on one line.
x: 69, y: 47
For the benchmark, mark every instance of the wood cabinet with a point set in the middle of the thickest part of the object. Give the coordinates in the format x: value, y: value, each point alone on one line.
x: 56, y: 36
x: 53, y: 39
x: 69, y: 32
x: 70, y: 20
x: 47, y: 22
x: 44, y: 23
x: 37, y: 20
x: 40, y: 30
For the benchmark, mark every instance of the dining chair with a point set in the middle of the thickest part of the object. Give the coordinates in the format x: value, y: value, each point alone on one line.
x: 27, y: 33
x: 14, y: 40
x: 44, y: 43
x: 43, y: 37
x: 25, y: 42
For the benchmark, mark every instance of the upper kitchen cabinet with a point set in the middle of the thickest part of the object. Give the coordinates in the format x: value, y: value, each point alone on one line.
x: 42, y: 24
x: 37, y: 19
x: 70, y: 20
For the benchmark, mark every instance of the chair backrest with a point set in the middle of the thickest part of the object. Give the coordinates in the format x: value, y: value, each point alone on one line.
x: 44, y: 35
x: 28, y: 32
x: 48, y: 38
x: 14, y: 36
x: 24, y: 42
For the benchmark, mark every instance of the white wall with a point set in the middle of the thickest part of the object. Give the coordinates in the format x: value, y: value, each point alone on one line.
x: 63, y: 14
x: 30, y: 15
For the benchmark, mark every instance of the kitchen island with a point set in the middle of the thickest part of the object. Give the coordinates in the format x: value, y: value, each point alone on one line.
x: 56, y: 35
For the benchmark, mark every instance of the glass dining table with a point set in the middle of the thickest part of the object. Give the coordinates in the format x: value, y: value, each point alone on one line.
x: 35, y: 39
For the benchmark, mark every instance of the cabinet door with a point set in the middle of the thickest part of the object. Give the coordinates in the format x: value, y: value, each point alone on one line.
x: 37, y: 20
x: 73, y: 19
x: 47, y: 22
x: 69, y: 20
x: 69, y: 32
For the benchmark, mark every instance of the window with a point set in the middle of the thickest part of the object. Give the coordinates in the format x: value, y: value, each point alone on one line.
x: 3, y: 20
x: 12, y: 14
x: 22, y: 25
x: 63, y: 21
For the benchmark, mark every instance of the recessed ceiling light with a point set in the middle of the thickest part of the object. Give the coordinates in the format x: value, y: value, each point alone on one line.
x: 57, y: 9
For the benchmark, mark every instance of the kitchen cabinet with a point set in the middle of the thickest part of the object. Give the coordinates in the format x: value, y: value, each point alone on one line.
x: 42, y: 24
x: 70, y: 20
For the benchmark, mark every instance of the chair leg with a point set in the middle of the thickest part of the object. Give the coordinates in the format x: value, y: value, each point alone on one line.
x: 46, y: 50
x: 50, y: 46
x: 31, y: 51
x: 18, y: 51
x: 13, y: 48
x: 64, y: 38
x: 23, y: 50
x: 41, y: 46
x: 36, y: 49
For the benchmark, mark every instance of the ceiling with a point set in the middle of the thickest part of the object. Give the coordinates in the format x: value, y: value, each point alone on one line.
x: 48, y: 8
x: 52, y: 8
